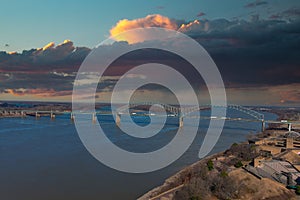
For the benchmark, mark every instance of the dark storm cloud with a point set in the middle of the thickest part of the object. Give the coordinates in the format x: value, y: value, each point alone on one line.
x: 35, y: 70
x: 257, y: 53
x: 292, y: 12
x: 248, y: 53
x: 263, y: 52
x: 288, y: 14
x: 64, y: 57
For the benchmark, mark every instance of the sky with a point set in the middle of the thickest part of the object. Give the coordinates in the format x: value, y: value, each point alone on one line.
x: 32, y: 24
x: 254, y: 43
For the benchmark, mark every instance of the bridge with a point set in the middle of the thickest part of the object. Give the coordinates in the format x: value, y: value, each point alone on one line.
x: 182, y: 112
x: 172, y: 111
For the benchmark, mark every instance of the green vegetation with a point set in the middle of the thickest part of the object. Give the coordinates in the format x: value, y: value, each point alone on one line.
x: 210, y: 165
x: 211, y: 179
x: 243, y: 152
x: 238, y: 164
x: 234, y: 144
x: 205, y: 183
x: 298, y: 189
x: 223, y: 174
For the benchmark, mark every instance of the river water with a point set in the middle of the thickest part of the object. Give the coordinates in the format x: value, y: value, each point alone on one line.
x: 45, y: 159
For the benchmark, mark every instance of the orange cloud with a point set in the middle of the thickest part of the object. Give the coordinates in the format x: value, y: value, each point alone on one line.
x: 12, y: 53
x: 40, y: 92
x: 155, y: 20
x: 48, y: 46
x: 195, y: 25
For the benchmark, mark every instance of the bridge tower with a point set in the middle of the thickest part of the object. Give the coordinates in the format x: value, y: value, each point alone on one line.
x: 94, y: 117
x: 118, y: 119
x: 290, y: 126
x: 180, y: 121
x: 263, y: 125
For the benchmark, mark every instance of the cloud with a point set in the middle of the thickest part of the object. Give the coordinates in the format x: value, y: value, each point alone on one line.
x: 275, y: 16
x: 48, y: 46
x: 253, y: 55
x: 155, y: 20
x: 291, y: 13
x: 287, y: 93
x: 40, y: 92
x: 46, y: 71
x: 256, y: 3
x: 201, y: 14
x: 194, y: 26
x: 47, y: 59
x: 249, y: 53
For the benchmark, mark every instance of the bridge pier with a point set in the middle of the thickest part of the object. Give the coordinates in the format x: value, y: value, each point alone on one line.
x: 52, y: 116
x: 94, y: 118
x: 180, y: 121
x: 37, y: 115
x: 263, y: 125
x: 290, y: 126
x: 118, y: 119
x: 23, y: 114
x: 72, y: 117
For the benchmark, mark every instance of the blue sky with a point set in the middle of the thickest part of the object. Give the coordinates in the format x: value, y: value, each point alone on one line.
x: 32, y: 24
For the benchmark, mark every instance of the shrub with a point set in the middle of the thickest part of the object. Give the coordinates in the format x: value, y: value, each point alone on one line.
x: 196, y: 189
x: 244, y: 152
x: 238, y: 164
x: 223, y: 174
x: 210, y: 165
x: 234, y: 144
x: 298, y: 189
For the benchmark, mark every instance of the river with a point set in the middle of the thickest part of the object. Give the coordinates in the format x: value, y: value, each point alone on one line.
x: 45, y: 159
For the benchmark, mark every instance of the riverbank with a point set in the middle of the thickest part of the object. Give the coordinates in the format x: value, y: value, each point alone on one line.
x: 226, y: 175
x: 220, y: 176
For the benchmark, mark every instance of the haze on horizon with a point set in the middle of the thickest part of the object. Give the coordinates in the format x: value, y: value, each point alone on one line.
x: 254, y: 44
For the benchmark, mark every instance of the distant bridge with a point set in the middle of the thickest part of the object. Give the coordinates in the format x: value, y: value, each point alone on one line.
x: 182, y: 112
x: 175, y: 111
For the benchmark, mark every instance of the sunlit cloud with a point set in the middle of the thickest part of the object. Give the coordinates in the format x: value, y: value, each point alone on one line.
x: 193, y: 26
x: 155, y: 20
x: 41, y: 92
x: 48, y: 46
x: 12, y: 52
